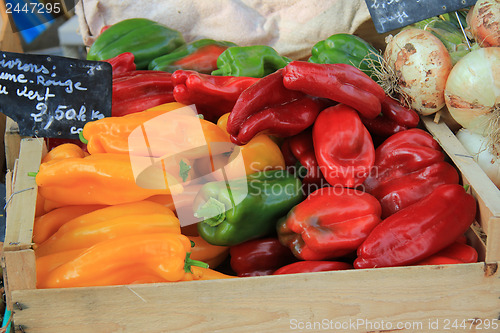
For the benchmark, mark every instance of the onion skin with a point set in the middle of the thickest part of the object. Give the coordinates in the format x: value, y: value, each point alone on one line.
x: 477, y: 146
x: 421, y: 63
x: 473, y: 89
x: 484, y: 22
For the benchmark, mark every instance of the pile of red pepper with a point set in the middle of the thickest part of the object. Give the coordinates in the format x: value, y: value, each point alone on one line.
x: 370, y: 188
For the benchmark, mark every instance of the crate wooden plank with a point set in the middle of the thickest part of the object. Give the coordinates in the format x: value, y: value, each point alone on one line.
x: 272, y: 303
x: 21, y: 211
x: 22, y: 272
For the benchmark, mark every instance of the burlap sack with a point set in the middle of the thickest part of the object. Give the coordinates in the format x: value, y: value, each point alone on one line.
x: 292, y: 27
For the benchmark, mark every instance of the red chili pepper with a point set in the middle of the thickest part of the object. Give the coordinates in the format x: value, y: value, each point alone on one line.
x: 300, y: 149
x: 267, y: 106
x: 338, y: 82
x: 382, y: 126
x: 330, y: 223
x: 122, y: 63
x: 311, y: 266
x: 408, y: 166
x: 139, y: 90
x: 456, y: 253
x: 398, y: 113
x: 343, y: 146
x: 419, y: 230
x: 213, y: 95
x: 259, y: 257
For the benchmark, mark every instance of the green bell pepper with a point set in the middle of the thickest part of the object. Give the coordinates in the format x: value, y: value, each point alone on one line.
x: 200, y: 56
x: 246, y: 208
x: 251, y: 61
x: 144, y: 38
x: 343, y: 48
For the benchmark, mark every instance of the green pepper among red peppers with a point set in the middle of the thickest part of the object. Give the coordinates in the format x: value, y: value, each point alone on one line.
x: 145, y: 38
x: 419, y: 230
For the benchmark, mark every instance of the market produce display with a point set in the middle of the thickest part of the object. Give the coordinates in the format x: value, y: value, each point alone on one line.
x: 286, y: 166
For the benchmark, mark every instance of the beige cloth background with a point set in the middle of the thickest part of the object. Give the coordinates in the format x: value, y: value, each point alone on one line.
x: 292, y: 27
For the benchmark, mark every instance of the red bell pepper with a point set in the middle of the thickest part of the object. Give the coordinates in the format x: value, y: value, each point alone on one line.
x: 122, y: 63
x: 419, y: 230
x: 408, y: 166
x: 136, y: 91
x: 330, y: 223
x: 213, y: 95
x: 311, y: 266
x: 344, y: 148
x: 268, y: 107
x: 456, y: 253
x: 259, y: 257
x: 338, y: 82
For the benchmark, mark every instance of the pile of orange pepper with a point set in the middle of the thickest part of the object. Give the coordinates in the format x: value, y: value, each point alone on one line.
x: 96, y: 225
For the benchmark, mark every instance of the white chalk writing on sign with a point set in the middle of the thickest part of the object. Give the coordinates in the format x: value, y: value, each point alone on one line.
x: 40, y: 84
x: 397, y: 14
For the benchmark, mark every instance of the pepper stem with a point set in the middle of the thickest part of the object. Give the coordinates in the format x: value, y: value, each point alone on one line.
x: 82, y: 138
x: 191, y: 262
x: 32, y: 174
x: 213, y: 211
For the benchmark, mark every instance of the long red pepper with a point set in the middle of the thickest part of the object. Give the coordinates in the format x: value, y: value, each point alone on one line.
x: 343, y: 146
x: 135, y: 91
x: 419, y: 230
x: 338, y: 82
x: 213, y: 95
x: 311, y: 266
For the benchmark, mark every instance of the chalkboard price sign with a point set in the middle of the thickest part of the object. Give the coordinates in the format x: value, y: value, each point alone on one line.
x: 52, y: 96
x: 388, y: 15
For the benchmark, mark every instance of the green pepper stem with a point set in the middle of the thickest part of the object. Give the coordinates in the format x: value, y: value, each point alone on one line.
x: 32, y: 174
x: 82, y: 138
x: 188, y: 263
x: 213, y: 211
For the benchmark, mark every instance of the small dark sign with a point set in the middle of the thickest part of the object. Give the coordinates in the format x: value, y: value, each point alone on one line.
x: 388, y: 15
x: 52, y: 96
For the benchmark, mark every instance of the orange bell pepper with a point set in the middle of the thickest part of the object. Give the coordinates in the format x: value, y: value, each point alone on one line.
x: 81, y: 237
x: 138, y: 258
x: 259, y: 154
x: 65, y: 150
x: 110, y: 135
x: 106, y: 213
x: 47, y: 224
x: 152, y: 132
x: 44, y: 265
x: 213, y: 255
x: 106, y: 179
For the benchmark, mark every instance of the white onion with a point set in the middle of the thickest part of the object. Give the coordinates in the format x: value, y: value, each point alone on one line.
x: 421, y: 64
x: 488, y: 159
x: 472, y: 91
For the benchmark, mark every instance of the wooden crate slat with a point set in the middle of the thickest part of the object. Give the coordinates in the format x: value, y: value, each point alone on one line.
x: 270, y: 303
x: 21, y: 202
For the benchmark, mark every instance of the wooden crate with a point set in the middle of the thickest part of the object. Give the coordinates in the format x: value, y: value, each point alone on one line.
x: 411, y: 299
